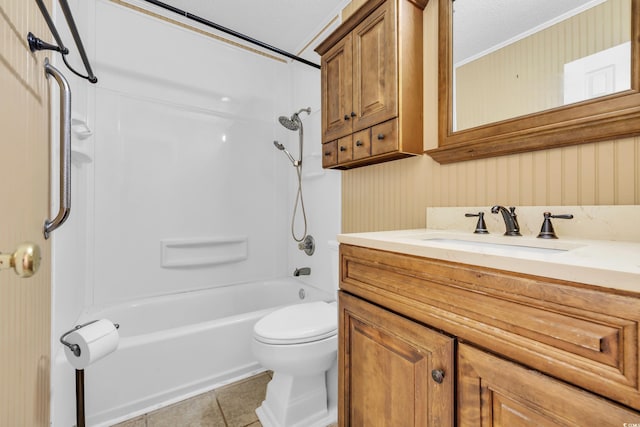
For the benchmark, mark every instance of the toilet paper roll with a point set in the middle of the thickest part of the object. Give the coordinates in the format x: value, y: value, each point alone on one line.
x: 95, y: 340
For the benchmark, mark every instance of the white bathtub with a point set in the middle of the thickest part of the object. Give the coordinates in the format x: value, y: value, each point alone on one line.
x: 173, y: 347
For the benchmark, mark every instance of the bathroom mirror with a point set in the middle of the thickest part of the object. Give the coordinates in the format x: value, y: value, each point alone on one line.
x: 516, y: 78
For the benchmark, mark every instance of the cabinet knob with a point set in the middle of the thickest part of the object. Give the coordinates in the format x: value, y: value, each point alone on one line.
x: 327, y: 153
x: 359, y: 143
x: 346, y: 117
x: 437, y: 375
x: 343, y: 148
x: 381, y: 136
x: 353, y: 114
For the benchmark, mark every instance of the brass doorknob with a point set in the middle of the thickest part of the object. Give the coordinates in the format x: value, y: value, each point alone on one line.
x: 25, y: 261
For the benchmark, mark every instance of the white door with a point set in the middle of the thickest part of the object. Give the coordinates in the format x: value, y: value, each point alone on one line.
x: 25, y: 303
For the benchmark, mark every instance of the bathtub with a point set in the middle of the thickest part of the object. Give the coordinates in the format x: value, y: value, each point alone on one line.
x: 173, y: 347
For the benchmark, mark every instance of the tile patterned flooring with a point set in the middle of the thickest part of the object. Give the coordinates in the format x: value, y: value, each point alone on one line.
x: 233, y: 405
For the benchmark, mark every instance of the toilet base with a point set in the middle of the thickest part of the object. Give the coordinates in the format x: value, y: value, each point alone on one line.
x: 296, y: 401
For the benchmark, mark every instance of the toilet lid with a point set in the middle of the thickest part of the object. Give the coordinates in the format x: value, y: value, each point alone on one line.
x: 298, y: 324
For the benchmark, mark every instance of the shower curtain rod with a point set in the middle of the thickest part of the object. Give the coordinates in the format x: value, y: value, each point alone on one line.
x: 37, y: 44
x: 231, y: 32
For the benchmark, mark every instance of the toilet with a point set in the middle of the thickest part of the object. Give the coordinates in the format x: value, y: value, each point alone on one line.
x: 299, y: 343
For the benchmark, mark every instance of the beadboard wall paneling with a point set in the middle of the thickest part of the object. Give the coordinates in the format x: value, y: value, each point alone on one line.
x: 25, y: 303
x: 394, y: 195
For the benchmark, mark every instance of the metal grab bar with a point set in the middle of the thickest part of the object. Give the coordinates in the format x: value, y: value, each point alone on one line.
x: 65, y: 150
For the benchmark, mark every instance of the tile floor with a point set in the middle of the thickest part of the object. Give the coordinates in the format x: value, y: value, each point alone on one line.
x: 233, y: 405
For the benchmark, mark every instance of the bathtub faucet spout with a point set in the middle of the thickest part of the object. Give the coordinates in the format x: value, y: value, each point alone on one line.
x: 304, y: 271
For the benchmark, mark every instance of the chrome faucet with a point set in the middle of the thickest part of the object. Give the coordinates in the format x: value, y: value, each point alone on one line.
x: 510, y: 220
x: 304, y: 271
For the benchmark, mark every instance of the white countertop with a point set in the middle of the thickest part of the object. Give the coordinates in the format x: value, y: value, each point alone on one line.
x: 611, y: 264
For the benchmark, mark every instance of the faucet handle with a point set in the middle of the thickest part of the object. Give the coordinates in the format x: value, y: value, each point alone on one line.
x: 547, y: 231
x: 481, y: 226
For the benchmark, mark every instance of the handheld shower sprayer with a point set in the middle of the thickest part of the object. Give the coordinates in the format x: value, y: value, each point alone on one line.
x: 280, y: 147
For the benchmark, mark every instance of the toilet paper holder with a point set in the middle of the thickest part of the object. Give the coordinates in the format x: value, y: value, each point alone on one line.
x: 75, y: 348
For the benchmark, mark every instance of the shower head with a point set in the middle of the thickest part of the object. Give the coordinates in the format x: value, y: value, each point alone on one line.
x: 280, y: 147
x: 290, y: 123
x: 293, y: 122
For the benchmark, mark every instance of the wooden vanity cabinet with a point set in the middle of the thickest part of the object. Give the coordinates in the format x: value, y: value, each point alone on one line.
x: 525, y: 350
x: 371, y: 73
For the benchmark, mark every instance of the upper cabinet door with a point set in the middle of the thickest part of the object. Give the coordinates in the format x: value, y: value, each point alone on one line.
x: 375, y: 81
x: 337, y: 90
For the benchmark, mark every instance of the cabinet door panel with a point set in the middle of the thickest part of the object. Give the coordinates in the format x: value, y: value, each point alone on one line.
x: 386, y: 364
x: 495, y: 392
x: 337, y: 90
x: 375, y: 68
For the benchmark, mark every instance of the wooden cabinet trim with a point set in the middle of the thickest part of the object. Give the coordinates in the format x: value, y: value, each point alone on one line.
x: 356, y: 18
x: 599, y: 351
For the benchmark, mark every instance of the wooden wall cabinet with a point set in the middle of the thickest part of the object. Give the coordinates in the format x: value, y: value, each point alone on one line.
x: 372, y: 85
x: 517, y: 349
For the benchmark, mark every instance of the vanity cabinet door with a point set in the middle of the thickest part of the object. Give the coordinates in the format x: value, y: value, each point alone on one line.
x: 393, y: 371
x: 495, y: 392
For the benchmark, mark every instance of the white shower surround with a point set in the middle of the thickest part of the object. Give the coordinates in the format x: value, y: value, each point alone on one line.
x: 182, y: 149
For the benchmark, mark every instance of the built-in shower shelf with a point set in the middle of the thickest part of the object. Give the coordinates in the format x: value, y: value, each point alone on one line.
x: 196, y: 252
x: 80, y: 129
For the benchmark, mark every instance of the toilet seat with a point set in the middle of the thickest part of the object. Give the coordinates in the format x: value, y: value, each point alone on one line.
x: 298, y: 324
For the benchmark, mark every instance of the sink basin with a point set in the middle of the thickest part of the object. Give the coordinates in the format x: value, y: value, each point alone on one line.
x: 515, y: 248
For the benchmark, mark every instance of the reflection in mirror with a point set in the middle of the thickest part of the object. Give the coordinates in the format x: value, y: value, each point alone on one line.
x: 521, y: 99
x: 512, y: 58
